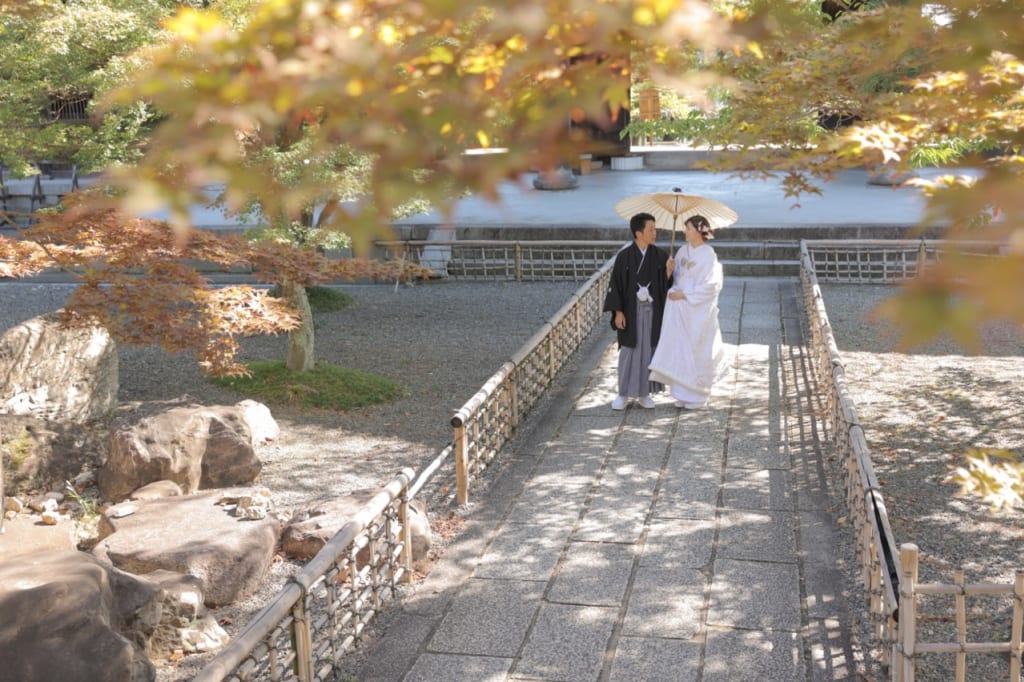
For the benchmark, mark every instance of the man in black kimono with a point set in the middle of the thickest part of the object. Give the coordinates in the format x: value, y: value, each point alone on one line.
x: 636, y: 296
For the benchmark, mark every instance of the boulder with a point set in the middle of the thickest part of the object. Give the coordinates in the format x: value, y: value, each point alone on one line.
x: 561, y: 178
x: 41, y: 454
x: 60, y: 619
x: 310, y: 529
x: 262, y: 424
x: 182, y: 614
x: 52, y: 371
x: 156, y: 490
x: 193, y: 535
x: 191, y: 445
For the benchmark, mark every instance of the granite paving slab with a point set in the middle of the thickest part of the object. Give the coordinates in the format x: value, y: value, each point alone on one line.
x: 593, y: 574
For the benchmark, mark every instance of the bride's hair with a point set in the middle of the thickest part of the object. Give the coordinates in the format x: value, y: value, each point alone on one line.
x: 701, y: 224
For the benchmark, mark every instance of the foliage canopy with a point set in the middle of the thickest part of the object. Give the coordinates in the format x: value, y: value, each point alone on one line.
x: 407, y: 87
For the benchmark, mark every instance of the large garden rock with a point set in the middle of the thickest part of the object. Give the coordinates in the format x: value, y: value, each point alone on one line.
x: 194, y: 535
x: 41, y: 454
x: 310, y: 529
x: 26, y: 534
x: 194, y: 446
x: 184, y: 626
x: 60, y: 620
x: 55, y: 372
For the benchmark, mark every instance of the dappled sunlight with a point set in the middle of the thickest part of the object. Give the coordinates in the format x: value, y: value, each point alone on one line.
x: 762, y: 655
x: 919, y: 431
x: 755, y: 595
x: 524, y: 550
x: 859, y: 330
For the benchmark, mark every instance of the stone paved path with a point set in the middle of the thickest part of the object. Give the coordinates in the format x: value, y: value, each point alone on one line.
x: 649, y: 544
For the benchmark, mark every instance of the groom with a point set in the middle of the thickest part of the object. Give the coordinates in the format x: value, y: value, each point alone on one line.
x: 636, y: 295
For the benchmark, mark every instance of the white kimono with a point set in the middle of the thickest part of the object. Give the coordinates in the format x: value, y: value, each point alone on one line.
x: 690, y: 355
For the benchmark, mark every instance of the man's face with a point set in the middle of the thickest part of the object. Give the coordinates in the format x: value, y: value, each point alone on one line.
x: 646, y: 237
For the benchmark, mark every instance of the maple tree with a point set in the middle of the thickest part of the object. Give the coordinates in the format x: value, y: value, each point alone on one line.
x: 410, y: 86
x: 137, y: 278
x: 261, y: 103
x: 939, y: 84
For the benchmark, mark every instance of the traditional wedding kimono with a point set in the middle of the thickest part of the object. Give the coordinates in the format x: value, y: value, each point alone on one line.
x: 691, y: 356
x: 636, y: 270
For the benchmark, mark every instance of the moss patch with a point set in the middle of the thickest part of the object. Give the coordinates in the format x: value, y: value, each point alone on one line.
x: 326, y: 387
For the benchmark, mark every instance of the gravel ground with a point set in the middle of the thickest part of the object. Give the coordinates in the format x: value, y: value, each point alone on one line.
x: 442, y: 341
x: 922, y: 411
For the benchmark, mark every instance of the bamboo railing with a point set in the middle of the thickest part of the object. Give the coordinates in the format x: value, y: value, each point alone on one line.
x: 890, y: 575
x: 910, y: 649
x: 489, y: 418
x: 304, y: 631
x: 883, y: 261
x: 320, y: 612
x: 519, y: 261
x: 879, y: 567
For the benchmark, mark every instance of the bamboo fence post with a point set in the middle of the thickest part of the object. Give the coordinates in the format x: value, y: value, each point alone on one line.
x: 303, y: 641
x: 461, y: 464
x: 405, y: 558
x: 519, y: 261
x: 3, y: 496
x: 513, y: 399
x: 551, y: 355
x: 908, y: 612
x: 1018, y: 623
x: 961, y: 625
x: 582, y: 322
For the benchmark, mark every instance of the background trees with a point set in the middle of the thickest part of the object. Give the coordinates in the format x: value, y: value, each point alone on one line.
x: 407, y: 87
x: 58, y: 60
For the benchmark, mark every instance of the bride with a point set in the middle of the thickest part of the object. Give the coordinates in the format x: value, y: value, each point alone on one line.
x: 690, y: 355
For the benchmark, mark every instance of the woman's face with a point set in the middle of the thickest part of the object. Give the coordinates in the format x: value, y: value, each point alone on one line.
x: 693, y: 236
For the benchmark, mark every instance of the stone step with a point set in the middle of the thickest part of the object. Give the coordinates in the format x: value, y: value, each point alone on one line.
x: 761, y: 268
x: 760, y: 233
x: 757, y: 250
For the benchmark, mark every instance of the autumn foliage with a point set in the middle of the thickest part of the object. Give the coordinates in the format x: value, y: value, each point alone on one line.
x: 139, y: 279
x: 260, y: 103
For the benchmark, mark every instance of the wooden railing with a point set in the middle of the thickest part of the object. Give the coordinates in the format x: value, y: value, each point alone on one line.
x: 909, y: 648
x: 879, y: 261
x: 490, y: 417
x: 889, y: 574
x: 519, y: 261
x: 319, y: 614
x: 879, y: 566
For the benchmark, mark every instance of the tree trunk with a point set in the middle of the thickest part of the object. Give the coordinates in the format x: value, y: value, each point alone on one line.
x: 301, y: 357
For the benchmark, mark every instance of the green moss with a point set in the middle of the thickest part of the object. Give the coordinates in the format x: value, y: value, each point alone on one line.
x: 326, y: 387
x: 18, y: 449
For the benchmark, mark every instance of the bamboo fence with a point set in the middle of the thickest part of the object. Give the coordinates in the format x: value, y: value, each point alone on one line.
x: 490, y: 417
x: 306, y: 629
x: 519, y: 261
x: 319, y: 614
x: 321, y: 611
x: 890, y: 574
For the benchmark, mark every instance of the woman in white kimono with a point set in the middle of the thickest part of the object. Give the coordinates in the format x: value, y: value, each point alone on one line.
x: 690, y: 356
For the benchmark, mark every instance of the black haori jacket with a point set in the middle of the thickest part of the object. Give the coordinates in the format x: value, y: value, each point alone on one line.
x: 625, y: 282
